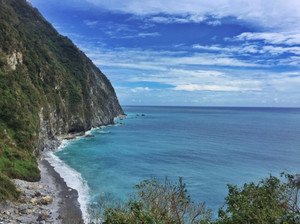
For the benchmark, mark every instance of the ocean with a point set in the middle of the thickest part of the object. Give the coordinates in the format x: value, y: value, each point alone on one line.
x: 209, y: 147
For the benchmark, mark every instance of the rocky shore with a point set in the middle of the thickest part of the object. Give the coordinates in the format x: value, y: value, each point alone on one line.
x: 49, y: 200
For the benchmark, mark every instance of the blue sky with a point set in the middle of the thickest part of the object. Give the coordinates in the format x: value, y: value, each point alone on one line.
x: 188, y: 52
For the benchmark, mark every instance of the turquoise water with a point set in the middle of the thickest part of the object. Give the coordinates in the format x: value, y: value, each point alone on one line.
x: 208, y: 147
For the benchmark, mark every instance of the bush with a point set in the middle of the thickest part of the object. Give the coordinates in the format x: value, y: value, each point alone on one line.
x: 155, y: 202
x: 269, y: 201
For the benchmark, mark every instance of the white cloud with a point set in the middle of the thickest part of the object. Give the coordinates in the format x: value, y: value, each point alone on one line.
x: 154, y: 34
x: 211, y: 59
x: 139, y: 35
x: 90, y: 23
x: 280, y: 50
x: 195, y: 87
x: 251, y: 49
x: 273, y: 14
x: 140, y: 89
x: 272, y: 38
x: 214, y: 23
x: 192, y: 18
x: 237, y: 49
x: 161, y: 60
x: 178, y: 19
x: 286, y: 84
x: 194, y: 72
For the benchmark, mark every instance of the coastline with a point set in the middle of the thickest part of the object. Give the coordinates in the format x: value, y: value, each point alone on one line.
x: 49, y: 200
x: 69, y: 207
x: 69, y: 177
x: 65, y: 206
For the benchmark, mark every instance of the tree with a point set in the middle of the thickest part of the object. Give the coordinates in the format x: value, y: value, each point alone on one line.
x: 270, y: 201
x: 156, y: 202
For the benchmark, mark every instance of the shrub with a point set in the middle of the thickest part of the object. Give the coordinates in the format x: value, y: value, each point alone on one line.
x: 269, y: 201
x: 156, y: 202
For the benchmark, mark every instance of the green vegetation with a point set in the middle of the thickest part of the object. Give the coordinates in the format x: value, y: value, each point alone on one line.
x: 41, y: 74
x: 268, y: 202
x: 7, y: 189
x: 155, y: 203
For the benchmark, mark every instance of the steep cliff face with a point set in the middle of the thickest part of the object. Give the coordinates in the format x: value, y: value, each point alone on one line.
x: 48, y: 87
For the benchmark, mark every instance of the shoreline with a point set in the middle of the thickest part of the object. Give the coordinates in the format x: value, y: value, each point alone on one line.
x: 64, y: 206
x: 49, y: 200
x: 69, y: 207
x: 69, y: 177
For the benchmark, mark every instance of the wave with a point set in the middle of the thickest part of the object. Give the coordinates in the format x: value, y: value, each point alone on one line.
x: 73, y: 180
x: 64, y: 143
x: 104, y: 132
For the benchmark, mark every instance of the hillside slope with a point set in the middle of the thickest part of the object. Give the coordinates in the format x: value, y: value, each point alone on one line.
x: 48, y: 87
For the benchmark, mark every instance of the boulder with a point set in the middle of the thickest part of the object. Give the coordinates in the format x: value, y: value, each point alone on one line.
x: 46, y: 200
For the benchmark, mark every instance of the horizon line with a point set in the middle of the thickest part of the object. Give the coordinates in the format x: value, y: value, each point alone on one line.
x: 283, y: 107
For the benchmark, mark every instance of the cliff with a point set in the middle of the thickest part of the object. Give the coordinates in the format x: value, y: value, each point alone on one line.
x: 48, y: 87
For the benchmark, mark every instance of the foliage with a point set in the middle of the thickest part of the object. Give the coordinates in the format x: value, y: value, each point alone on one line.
x: 53, y: 77
x: 155, y: 202
x: 7, y: 189
x: 269, y: 201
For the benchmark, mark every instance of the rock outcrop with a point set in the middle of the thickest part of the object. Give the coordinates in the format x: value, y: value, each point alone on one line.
x: 48, y: 88
x: 72, y: 93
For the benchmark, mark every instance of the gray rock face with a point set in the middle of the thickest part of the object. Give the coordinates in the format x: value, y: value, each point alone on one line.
x: 14, y: 59
x: 57, y: 88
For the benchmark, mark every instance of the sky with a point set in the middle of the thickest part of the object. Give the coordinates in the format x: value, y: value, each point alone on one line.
x: 188, y: 52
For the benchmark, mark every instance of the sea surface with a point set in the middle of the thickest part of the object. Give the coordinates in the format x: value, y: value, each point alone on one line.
x: 209, y: 147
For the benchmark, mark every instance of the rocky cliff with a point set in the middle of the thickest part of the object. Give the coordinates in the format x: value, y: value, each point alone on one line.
x: 48, y: 87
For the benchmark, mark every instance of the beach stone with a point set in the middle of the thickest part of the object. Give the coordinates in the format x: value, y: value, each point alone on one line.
x: 69, y: 189
x: 34, y: 201
x: 31, y: 187
x: 29, y: 211
x: 24, y: 212
x: 44, y: 216
x: 40, y: 217
x: 22, y: 199
x: 7, y: 213
x: 22, y: 208
x: 46, y: 200
x: 37, y: 194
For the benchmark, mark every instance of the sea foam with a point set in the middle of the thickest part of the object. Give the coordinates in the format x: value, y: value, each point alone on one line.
x: 73, y: 180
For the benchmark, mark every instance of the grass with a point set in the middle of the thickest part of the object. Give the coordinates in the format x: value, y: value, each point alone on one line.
x: 7, y: 189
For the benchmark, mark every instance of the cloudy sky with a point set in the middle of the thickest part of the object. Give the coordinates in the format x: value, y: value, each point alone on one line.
x: 189, y: 52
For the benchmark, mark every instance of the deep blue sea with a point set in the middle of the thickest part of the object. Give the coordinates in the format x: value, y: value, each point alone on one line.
x: 208, y: 146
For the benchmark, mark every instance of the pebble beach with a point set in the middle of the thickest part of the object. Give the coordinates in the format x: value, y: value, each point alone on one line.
x: 49, y: 200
